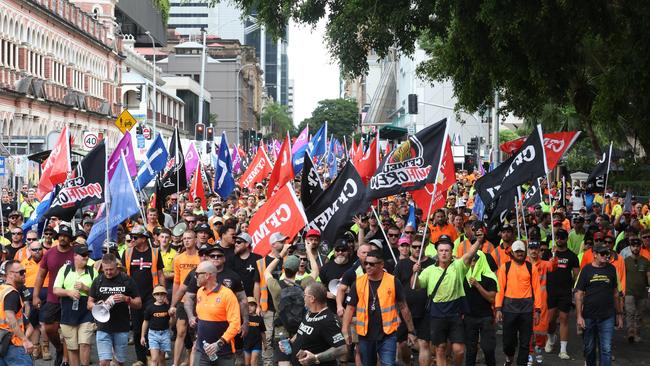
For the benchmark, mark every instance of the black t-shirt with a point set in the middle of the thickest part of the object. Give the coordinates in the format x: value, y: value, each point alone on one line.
x: 319, y: 332
x: 375, y: 324
x: 246, y: 270
x: 256, y: 327
x: 350, y: 275
x: 11, y: 251
x: 227, y: 277
x: 141, y: 271
x: 12, y: 302
x: 277, y: 272
x: 331, y: 271
x: 157, y: 316
x: 599, y: 284
x: 478, y: 306
x: 560, y: 281
x: 7, y: 208
x: 229, y: 252
x: 103, y: 288
x: 416, y: 299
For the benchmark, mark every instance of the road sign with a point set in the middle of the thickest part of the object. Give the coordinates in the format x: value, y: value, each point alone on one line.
x: 90, y: 140
x: 2, y: 166
x: 125, y: 121
x: 146, y: 131
x: 140, y: 139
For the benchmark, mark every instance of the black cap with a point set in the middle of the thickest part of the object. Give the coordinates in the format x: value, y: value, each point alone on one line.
x: 81, y: 250
x: 506, y: 226
x: 444, y: 239
x: 207, y: 249
x: 203, y: 228
x: 64, y: 230
x: 534, y: 244
x: 578, y: 218
x: 341, y: 243
x: 600, y: 247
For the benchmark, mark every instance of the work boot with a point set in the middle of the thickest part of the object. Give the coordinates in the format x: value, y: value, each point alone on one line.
x: 36, y: 353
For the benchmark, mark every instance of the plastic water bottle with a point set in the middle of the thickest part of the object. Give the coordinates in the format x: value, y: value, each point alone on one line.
x: 212, y: 357
x: 75, y: 304
x: 284, y: 341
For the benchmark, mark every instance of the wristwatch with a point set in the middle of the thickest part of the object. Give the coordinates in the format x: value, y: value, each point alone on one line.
x: 316, y: 360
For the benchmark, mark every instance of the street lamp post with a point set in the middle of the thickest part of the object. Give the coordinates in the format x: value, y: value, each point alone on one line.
x: 237, y: 96
x: 155, y: 96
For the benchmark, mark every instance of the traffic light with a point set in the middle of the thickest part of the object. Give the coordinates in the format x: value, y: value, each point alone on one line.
x: 209, y: 134
x: 138, y: 92
x: 413, y: 104
x: 138, y: 130
x: 198, y: 131
x: 472, y: 146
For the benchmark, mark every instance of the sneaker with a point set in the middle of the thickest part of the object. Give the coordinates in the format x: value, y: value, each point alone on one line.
x: 508, y: 362
x: 539, y: 358
x: 530, y: 360
x: 549, y: 345
x: 564, y: 356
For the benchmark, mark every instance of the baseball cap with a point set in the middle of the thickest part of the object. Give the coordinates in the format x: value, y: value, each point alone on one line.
x: 600, y: 248
x: 206, y: 249
x: 139, y: 230
x: 377, y: 242
x: 444, y: 239
x: 291, y: 263
x: 159, y: 290
x: 81, y: 249
x: 64, y: 230
x: 339, y: 243
x: 203, y: 228
x: 245, y: 237
x: 578, y: 219
x: 313, y: 232
x: 251, y: 300
x: 404, y: 240
x: 87, y: 220
x: 276, y: 237
x: 518, y: 246
x: 506, y: 227
x: 534, y: 244
x: 259, y: 185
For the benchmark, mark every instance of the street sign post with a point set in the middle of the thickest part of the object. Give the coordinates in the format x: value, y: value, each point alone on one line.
x: 2, y: 166
x: 146, y: 131
x: 125, y: 121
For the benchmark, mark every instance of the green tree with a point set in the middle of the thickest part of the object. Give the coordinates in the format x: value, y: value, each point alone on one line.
x: 276, y: 116
x: 341, y: 115
x: 587, y: 55
x: 507, y: 135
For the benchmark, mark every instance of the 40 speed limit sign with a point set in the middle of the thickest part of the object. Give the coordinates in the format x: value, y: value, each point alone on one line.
x: 90, y: 140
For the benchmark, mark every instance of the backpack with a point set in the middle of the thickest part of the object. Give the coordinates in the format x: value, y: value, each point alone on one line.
x: 291, y: 308
x: 529, y: 267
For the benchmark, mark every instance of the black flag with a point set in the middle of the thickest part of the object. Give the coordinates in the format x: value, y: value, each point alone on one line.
x: 310, y: 184
x: 411, y: 165
x: 86, y: 187
x: 525, y: 165
x: 598, y: 177
x: 532, y: 196
x: 174, y: 178
x: 336, y: 206
x: 499, y: 209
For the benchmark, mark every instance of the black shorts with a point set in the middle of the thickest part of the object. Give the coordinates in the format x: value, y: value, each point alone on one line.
x: 180, y: 312
x: 561, y: 302
x: 422, y: 330
x: 50, y: 313
x: 447, y: 329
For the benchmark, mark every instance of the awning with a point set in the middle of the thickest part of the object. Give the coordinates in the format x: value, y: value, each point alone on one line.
x: 392, y: 133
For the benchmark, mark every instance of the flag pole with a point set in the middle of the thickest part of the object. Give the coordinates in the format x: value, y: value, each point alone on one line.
x: 523, y: 213
x: 107, y: 198
x: 178, y: 198
x: 383, y: 232
x: 548, y: 180
x: 609, y: 162
x: 517, y: 212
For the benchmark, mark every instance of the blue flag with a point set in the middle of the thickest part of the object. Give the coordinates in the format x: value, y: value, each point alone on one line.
x: 154, y: 163
x: 224, y: 183
x: 331, y: 160
x: 479, y: 207
x: 318, y: 143
x: 41, y: 209
x: 124, y: 204
x: 411, y: 220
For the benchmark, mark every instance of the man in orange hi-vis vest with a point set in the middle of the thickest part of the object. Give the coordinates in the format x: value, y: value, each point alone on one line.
x: 375, y: 298
x: 11, y: 313
x: 144, y: 265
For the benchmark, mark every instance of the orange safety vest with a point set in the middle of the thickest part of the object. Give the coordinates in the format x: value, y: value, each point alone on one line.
x: 4, y: 291
x: 264, y: 290
x: 154, y: 263
x: 386, y: 296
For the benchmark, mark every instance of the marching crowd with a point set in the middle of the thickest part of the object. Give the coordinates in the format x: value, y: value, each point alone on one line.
x: 187, y: 289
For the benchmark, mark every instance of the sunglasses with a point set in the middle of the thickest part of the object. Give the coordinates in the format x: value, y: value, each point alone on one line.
x: 48, y: 233
x: 216, y: 256
x: 21, y: 272
x: 35, y: 249
x: 31, y: 239
x: 416, y: 246
x: 404, y: 245
x: 409, y: 232
x: 20, y: 233
x: 371, y: 264
x: 393, y: 235
x: 645, y: 237
x: 240, y: 242
x: 604, y: 254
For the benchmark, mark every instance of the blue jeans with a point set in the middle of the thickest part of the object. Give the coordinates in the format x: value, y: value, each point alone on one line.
x: 16, y: 356
x: 601, y: 331
x: 386, y: 349
x: 112, y: 344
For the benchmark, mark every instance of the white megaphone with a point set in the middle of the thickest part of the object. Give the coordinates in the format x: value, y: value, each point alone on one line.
x: 102, y: 312
x: 333, y: 285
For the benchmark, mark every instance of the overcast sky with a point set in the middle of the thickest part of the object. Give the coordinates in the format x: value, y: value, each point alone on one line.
x: 314, y: 74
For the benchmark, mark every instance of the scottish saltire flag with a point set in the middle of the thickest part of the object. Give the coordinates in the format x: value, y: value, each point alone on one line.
x: 41, y: 209
x: 318, y: 143
x: 411, y: 220
x: 123, y: 204
x: 154, y: 162
x: 224, y: 183
x: 298, y: 150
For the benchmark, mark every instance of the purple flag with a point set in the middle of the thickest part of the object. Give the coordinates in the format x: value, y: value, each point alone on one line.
x: 236, y: 160
x: 301, y: 140
x: 125, y: 145
x: 191, y: 161
x: 276, y: 148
